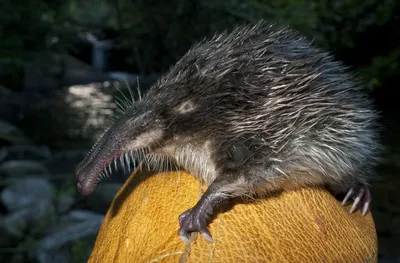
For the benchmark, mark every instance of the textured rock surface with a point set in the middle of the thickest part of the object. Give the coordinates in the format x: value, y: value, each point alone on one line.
x: 12, y: 134
x: 73, y: 227
x: 27, y: 192
x: 300, y: 226
x: 23, y: 168
x: 28, y: 200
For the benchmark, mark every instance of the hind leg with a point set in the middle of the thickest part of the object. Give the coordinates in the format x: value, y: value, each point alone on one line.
x: 361, y: 196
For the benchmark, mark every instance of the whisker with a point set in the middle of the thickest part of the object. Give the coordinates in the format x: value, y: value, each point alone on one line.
x: 121, y: 104
x: 127, y: 160
x: 122, y: 161
x: 126, y: 100
x: 138, y: 88
x: 130, y: 91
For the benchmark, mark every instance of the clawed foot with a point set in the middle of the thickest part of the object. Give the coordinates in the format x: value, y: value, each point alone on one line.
x: 195, y: 220
x: 361, y: 196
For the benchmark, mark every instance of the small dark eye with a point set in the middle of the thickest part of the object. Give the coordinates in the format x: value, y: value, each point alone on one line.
x: 186, y: 107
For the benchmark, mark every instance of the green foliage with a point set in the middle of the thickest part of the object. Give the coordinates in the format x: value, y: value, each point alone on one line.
x: 154, y: 34
x: 27, y: 29
x: 23, y: 247
x: 157, y: 34
x: 340, y: 20
x: 79, y: 251
x: 381, y: 68
x: 25, y: 244
x: 350, y: 29
x: 68, y: 187
x: 336, y: 26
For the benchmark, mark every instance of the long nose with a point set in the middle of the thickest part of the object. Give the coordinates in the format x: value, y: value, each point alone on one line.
x: 89, y: 169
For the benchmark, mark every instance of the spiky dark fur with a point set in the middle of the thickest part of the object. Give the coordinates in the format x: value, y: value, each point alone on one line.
x: 248, y: 112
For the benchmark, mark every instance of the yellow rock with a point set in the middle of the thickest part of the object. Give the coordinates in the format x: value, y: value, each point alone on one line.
x: 307, y: 225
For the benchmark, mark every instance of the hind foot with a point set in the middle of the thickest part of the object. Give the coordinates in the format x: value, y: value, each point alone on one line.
x: 361, y: 196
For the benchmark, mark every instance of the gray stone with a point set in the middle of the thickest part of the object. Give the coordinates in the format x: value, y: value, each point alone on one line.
x: 64, y: 203
x: 12, y: 134
x: 22, y: 168
x: 27, y: 192
x: 59, y: 255
x: 27, y: 152
x: 75, y: 226
x: 14, y: 222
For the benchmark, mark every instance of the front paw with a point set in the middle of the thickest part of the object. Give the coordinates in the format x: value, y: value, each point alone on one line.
x: 194, y: 220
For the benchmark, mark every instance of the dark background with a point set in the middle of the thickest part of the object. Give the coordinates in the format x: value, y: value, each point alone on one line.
x: 58, y: 85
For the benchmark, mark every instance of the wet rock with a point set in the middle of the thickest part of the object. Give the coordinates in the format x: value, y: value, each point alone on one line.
x: 77, y: 225
x: 100, y: 200
x: 12, y: 134
x: 13, y: 223
x: 26, y: 152
x: 78, y: 251
x: 29, y: 200
x: 60, y: 255
x: 22, y: 168
x: 16, y: 221
x: 27, y: 192
x: 64, y: 203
